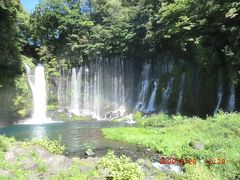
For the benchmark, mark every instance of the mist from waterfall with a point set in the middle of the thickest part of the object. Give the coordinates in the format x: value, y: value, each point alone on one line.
x: 152, y: 105
x: 231, y: 101
x: 219, y: 92
x: 75, y: 92
x: 39, y: 93
x: 97, y: 89
x: 166, y: 95
x: 111, y: 88
x: 180, y: 96
x: 141, y: 103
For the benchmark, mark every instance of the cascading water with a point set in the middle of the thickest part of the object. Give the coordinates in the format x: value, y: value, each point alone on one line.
x: 180, y: 96
x: 75, y: 93
x: 151, y: 105
x: 231, y: 101
x: 38, y: 87
x: 166, y: 95
x: 98, y: 89
x: 108, y: 88
x: 141, y: 104
x: 219, y: 92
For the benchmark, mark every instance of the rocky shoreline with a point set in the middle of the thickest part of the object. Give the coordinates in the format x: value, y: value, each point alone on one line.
x: 38, y: 163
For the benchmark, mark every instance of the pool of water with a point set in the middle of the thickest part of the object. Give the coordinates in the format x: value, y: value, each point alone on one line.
x: 77, y: 136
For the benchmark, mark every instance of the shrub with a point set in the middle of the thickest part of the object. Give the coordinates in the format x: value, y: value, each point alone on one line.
x: 53, y: 146
x: 121, y: 168
x: 5, y: 142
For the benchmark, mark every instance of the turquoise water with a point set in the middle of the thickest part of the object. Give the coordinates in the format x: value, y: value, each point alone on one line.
x: 77, y: 136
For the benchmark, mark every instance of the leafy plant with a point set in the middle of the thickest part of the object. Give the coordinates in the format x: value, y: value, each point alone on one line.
x: 53, y: 146
x: 121, y: 168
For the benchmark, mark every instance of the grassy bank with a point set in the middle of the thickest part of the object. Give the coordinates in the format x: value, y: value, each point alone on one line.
x: 207, y: 141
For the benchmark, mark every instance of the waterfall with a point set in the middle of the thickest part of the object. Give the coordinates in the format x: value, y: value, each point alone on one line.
x: 231, y: 101
x: 107, y: 88
x: 165, y: 96
x: 219, y: 92
x: 74, y: 93
x: 151, y: 105
x: 98, y: 89
x: 60, y: 92
x: 39, y: 93
x: 180, y: 95
x: 141, y: 103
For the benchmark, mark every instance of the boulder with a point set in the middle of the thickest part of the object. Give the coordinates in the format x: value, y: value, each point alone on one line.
x: 10, y: 157
x: 14, y: 152
x: 28, y: 164
x: 58, y: 163
x: 5, y: 173
x: 89, y: 152
x: 42, y: 153
x: 85, y: 169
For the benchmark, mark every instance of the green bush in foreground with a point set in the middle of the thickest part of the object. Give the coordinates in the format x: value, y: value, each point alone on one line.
x: 53, y: 146
x: 5, y: 142
x: 220, y: 135
x: 121, y: 168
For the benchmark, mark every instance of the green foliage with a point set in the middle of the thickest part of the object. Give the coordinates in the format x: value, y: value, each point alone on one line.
x: 53, y: 146
x: 79, y: 118
x: 23, y: 95
x: 220, y: 135
x: 203, y: 29
x: 9, y: 34
x: 5, y: 143
x: 137, y: 116
x: 52, y: 107
x: 121, y: 168
x: 153, y: 120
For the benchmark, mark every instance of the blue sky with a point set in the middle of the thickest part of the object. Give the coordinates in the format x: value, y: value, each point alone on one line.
x: 29, y: 5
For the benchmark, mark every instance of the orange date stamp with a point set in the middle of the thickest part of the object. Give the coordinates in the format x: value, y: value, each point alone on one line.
x: 190, y: 161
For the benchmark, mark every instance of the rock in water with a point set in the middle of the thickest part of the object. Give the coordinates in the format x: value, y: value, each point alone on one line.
x: 89, y: 152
